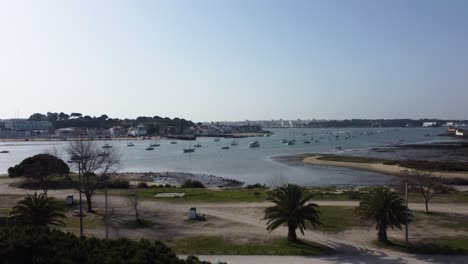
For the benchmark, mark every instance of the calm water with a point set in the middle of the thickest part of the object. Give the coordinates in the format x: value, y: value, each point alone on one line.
x: 241, y: 162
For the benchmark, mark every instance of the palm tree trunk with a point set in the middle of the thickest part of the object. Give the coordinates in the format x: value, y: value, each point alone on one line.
x: 292, y: 237
x: 382, y: 236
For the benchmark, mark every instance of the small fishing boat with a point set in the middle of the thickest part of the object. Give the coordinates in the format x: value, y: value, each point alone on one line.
x: 234, y: 143
x: 225, y: 147
x: 198, y: 145
x: 130, y: 144
x: 103, y: 154
x: 306, y: 142
x: 106, y: 146
x: 216, y: 139
x: 4, y: 151
x: 291, y: 142
x: 173, y: 142
x: 155, y: 145
x: 284, y: 141
x: 149, y: 148
x: 254, y: 144
x: 189, y: 150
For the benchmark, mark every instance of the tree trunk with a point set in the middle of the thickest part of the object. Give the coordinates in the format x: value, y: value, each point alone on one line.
x: 89, y: 203
x: 292, y: 237
x: 382, y: 236
x: 427, y: 206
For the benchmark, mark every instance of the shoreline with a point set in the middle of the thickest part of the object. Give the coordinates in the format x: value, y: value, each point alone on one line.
x: 393, y: 170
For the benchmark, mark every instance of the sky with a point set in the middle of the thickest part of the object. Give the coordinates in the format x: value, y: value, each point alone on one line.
x: 213, y: 60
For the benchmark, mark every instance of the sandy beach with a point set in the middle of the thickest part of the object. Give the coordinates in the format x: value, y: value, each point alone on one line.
x: 394, y: 170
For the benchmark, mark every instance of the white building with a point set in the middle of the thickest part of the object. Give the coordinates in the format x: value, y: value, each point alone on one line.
x: 137, y: 132
x: 429, y: 124
x: 26, y: 125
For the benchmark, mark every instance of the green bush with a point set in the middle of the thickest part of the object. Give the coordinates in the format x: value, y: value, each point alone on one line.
x: 41, y: 245
x: 192, y: 184
x: 142, y: 185
x: 255, y: 186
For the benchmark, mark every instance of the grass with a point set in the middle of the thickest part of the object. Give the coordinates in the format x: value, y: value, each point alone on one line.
x: 354, y: 159
x: 452, y: 245
x: 337, y: 219
x: 210, y: 195
x: 456, y: 222
x: 214, y: 245
x: 90, y: 221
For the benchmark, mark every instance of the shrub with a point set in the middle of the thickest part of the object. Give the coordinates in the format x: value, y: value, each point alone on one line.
x: 142, y: 185
x: 192, y: 184
x: 115, y: 184
x: 42, y: 245
x: 255, y: 186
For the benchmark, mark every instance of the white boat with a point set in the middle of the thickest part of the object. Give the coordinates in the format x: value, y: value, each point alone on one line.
x: 106, y: 146
x: 198, y: 145
x: 155, y: 145
x: 130, y: 144
x: 254, y: 144
x: 216, y: 139
x: 189, y: 150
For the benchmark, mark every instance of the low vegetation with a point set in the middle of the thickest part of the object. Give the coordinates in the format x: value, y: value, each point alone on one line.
x: 41, y: 245
x: 212, y: 245
x: 192, y: 184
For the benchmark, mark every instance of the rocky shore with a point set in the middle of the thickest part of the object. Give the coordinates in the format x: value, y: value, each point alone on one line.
x: 178, y: 178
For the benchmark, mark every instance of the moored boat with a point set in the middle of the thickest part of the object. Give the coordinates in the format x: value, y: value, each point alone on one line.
x: 254, y: 144
x: 149, y: 148
x: 106, y: 146
x: 130, y: 144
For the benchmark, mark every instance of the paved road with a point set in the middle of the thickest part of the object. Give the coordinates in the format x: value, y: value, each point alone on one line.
x: 370, y: 257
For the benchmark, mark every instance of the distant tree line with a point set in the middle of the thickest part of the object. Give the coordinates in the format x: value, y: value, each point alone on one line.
x: 154, y: 125
x: 373, y: 123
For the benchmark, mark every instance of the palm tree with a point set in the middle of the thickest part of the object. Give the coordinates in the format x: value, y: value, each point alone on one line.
x: 385, y: 209
x: 37, y: 210
x: 292, y: 209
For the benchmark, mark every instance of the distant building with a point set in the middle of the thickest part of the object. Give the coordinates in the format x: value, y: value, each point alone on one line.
x: 26, y: 125
x: 429, y: 124
x: 117, y: 132
x: 97, y: 132
x: 137, y: 132
x: 71, y: 132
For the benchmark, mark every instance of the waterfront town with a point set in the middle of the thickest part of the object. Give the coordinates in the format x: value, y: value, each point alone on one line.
x: 56, y: 126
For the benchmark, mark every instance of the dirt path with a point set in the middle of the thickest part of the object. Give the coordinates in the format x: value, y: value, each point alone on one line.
x: 242, y: 222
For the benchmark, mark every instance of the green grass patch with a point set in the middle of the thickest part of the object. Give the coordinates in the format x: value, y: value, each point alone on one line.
x: 90, y: 221
x: 211, y: 245
x: 210, y: 195
x: 337, y: 219
x: 354, y: 159
x: 458, y: 222
x: 452, y: 245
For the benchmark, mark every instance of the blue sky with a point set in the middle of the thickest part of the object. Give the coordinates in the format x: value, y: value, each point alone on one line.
x: 235, y: 59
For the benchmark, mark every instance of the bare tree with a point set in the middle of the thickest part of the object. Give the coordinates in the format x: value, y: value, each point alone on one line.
x: 278, y: 181
x: 94, y: 166
x: 134, y: 201
x: 424, y: 183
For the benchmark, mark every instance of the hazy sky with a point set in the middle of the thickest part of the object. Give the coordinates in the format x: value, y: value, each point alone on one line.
x: 235, y: 59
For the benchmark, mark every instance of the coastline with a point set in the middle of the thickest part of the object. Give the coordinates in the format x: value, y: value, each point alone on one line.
x: 394, y: 170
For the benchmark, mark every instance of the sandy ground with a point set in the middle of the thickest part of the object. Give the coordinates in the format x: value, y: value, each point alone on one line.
x: 241, y: 222
x: 378, y: 167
